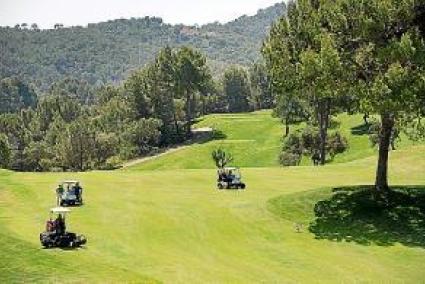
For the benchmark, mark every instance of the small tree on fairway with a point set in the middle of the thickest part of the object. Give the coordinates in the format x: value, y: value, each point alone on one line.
x: 221, y: 158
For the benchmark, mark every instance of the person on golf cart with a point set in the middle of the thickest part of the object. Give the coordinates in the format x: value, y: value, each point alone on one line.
x: 50, y: 225
x: 77, y: 190
x: 231, y: 176
x: 224, y: 176
x: 60, y: 226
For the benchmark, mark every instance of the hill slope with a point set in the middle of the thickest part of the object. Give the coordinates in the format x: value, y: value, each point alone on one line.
x: 108, y: 51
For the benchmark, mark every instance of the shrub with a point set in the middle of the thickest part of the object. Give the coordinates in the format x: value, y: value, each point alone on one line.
x: 287, y: 159
x: 336, y: 144
x: 293, y: 144
x: 307, y: 142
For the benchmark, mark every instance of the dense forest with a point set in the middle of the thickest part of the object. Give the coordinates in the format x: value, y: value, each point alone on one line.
x: 108, y: 52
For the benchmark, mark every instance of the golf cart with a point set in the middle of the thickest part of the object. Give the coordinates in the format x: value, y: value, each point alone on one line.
x: 56, y: 234
x: 229, y: 177
x: 70, y: 193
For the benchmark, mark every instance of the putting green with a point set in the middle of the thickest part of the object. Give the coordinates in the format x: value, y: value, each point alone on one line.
x: 173, y: 226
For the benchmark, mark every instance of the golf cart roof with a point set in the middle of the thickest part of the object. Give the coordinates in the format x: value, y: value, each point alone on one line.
x: 60, y: 210
x: 70, y: 181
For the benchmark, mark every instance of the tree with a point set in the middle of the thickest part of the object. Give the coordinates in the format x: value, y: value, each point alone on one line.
x: 159, y: 83
x: 193, y: 76
x: 221, y: 157
x: 321, y: 73
x: 138, y: 86
x: 15, y: 95
x: 261, y: 94
x: 282, y: 56
x: 76, y: 146
x: 373, y: 49
x: 390, y: 61
x: 79, y: 90
x: 305, y: 65
x: 34, y: 27
x: 236, y: 89
x: 4, y: 151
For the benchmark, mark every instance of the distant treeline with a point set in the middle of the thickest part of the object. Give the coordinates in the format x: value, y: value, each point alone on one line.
x: 108, y: 52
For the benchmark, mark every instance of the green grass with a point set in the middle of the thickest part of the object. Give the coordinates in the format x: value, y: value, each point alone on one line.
x: 173, y: 226
x: 255, y: 140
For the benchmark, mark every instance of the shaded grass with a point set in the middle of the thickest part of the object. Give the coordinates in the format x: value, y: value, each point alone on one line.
x: 351, y: 214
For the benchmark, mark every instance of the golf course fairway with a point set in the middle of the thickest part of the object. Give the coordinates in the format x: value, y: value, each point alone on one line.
x: 165, y: 221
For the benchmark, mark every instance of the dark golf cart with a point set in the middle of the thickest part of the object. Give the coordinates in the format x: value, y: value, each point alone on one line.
x: 56, y: 234
x: 70, y: 193
x: 229, y: 177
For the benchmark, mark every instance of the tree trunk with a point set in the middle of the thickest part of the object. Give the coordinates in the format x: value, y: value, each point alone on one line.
x: 323, y: 116
x: 81, y: 161
x: 287, y: 125
x: 176, y: 125
x: 387, y: 124
x: 188, y: 115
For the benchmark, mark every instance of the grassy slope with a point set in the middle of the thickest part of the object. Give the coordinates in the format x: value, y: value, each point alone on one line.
x: 173, y: 226
x: 255, y: 140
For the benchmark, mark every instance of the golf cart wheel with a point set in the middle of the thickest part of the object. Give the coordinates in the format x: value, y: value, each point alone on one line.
x: 220, y: 186
x: 242, y: 186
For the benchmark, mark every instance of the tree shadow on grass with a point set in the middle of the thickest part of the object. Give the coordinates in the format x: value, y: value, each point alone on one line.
x: 361, y: 129
x: 352, y: 215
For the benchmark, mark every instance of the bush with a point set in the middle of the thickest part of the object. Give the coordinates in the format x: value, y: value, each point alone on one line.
x: 112, y: 163
x: 310, y: 140
x: 336, y: 144
x: 307, y: 142
x: 293, y: 144
x: 287, y: 159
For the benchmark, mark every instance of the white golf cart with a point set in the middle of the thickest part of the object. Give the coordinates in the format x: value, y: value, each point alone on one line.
x: 56, y: 235
x: 70, y: 193
x: 229, y: 177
